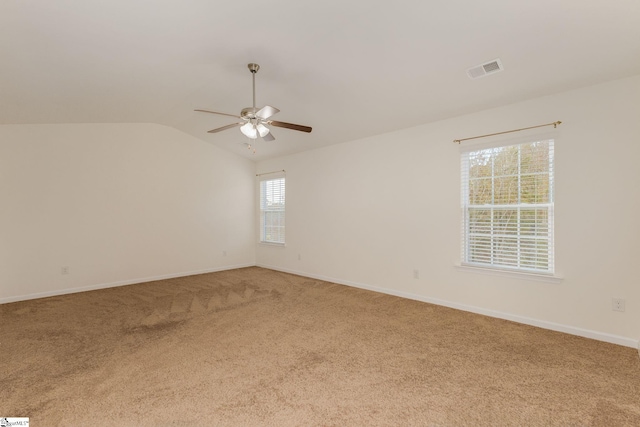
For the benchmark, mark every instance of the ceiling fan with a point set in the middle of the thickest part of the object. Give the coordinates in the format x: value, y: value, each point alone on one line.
x: 254, y: 121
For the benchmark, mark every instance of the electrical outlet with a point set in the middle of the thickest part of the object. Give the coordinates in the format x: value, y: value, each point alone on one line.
x: 224, y: 253
x: 618, y: 304
x: 416, y: 274
x: 64, y: 270
x: 299, y: 257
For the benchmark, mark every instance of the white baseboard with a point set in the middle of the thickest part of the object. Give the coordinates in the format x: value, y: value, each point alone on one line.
x: 118, y: 283
x: 600, y: 336
x: 572, y: 330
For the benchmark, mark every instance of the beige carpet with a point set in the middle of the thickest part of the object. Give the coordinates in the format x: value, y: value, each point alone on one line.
x: 254, y: 347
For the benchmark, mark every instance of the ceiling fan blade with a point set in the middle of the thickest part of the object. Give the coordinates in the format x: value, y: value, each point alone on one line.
x: 267, y: 111
x: 290, y: 126
x: 269, y: 137
x: 215, y: 112
x: 232, y: 125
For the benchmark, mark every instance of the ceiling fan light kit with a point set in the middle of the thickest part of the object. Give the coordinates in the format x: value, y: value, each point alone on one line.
x: 254, y: 121
x: 252, y: 131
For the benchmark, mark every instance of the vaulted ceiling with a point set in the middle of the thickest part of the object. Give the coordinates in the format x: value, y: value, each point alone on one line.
x: 349, y: 69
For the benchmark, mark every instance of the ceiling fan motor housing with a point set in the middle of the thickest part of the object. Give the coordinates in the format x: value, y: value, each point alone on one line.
x: 248, y: 113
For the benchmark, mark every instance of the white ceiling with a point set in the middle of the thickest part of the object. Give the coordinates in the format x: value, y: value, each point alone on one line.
x: 349, y: 69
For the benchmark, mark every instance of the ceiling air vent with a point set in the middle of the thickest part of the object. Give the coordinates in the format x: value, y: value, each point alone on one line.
x: 485, y: 69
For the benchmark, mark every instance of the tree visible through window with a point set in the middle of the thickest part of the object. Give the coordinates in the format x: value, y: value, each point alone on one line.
x: 507, y: 200
x: 272, y: 210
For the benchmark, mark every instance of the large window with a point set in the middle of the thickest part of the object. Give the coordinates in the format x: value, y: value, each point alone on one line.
x: 507, y: 203
x: 272, y: 210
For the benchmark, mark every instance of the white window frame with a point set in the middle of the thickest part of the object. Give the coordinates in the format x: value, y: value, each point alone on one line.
x: 266, y: 209
x: 490, y: 267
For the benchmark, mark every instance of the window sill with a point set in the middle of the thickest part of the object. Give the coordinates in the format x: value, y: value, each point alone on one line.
x: 277, y: 245
x: 548, y: 278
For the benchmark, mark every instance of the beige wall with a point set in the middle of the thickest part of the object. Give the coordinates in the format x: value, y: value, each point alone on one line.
x: 370, y: 212
x: 116, y: 204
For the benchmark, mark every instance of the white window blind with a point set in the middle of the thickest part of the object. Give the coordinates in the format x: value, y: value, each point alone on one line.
x: 272, y: 210
x: 507, y: 203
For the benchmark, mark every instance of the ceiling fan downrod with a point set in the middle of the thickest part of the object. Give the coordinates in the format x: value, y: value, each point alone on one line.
x: 254, y: 69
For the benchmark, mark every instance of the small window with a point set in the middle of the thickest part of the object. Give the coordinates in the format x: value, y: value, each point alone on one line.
x: 507, y: 204
x: 272, y: 210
